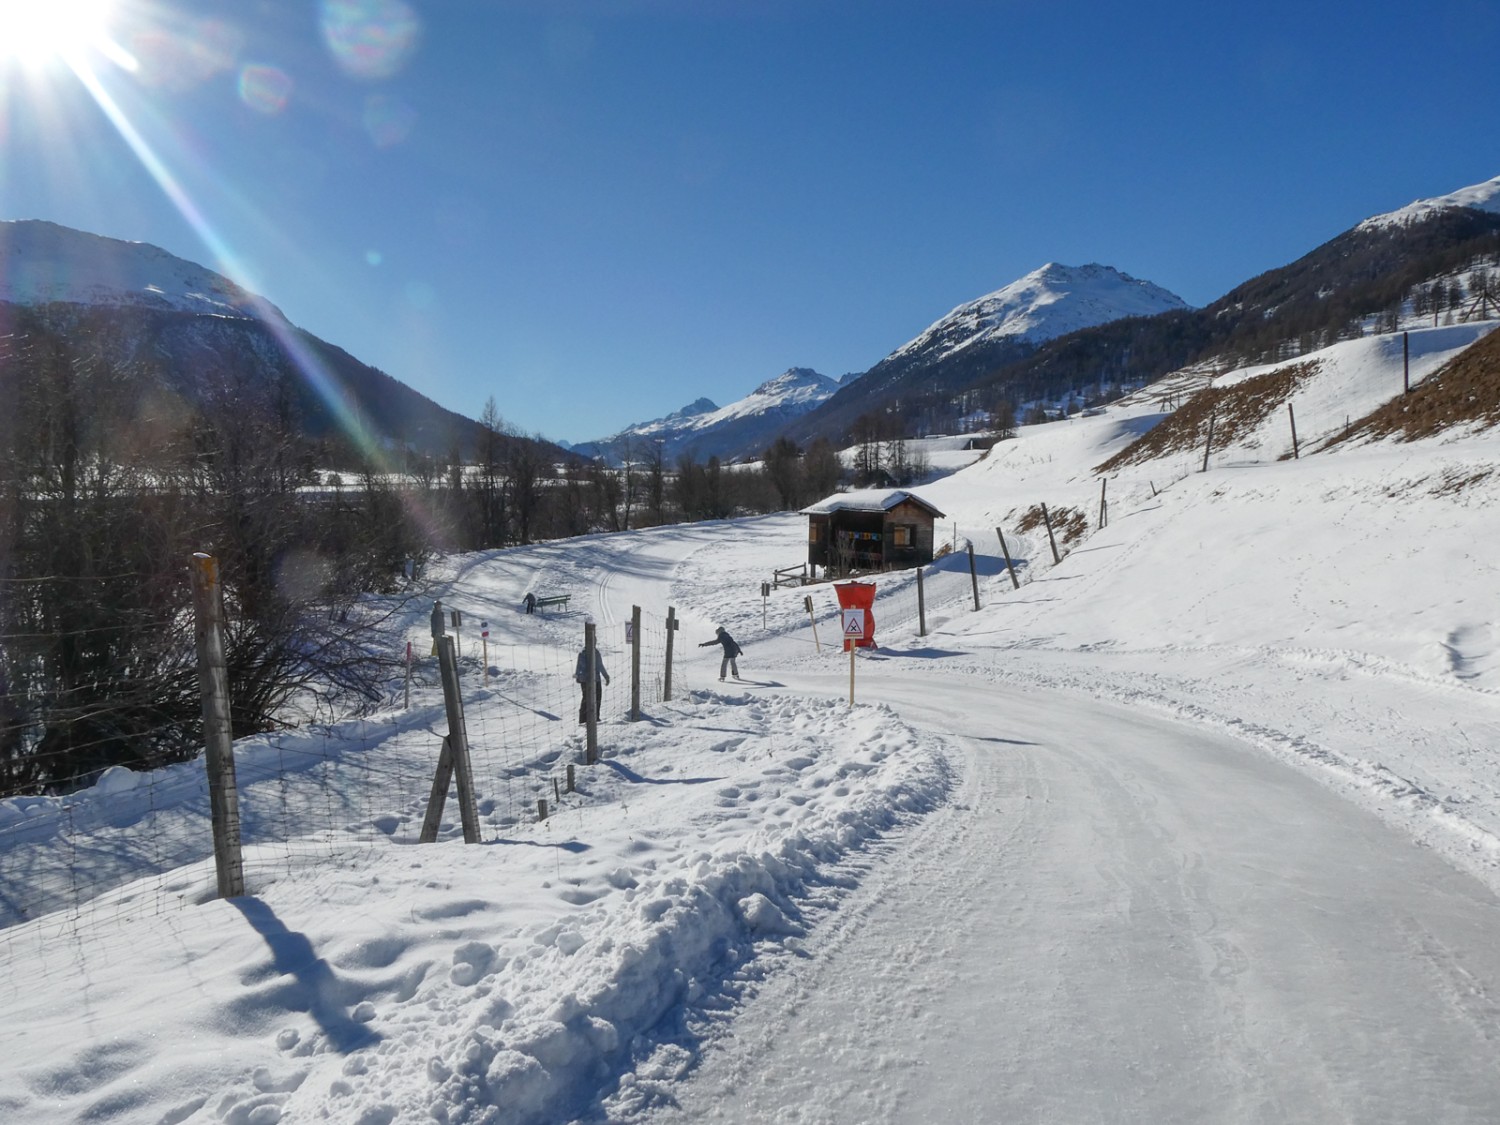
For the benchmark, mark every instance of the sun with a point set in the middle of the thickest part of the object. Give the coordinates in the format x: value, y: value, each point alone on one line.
x: 33, y: 33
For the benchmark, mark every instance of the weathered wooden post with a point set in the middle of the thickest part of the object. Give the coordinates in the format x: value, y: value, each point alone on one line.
x: 921, y: 606
x: 1406, y: 362
x: 1103, y: 503
x: 1004, y: 550
x: 1052, y: 539
x: 1209, y: 444
x: 218, y: 736
x: 457, y: 741
x: 541, y: 808
x: 590, y: 694
x: 1292, y: 415
x: 666, y: 690
x: 408, y: 675
x: 974, y: 577
x: 635, y: 664
x: 812, y: 620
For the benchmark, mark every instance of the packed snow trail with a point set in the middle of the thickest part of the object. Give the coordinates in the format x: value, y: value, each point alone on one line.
x: 1123, y: 918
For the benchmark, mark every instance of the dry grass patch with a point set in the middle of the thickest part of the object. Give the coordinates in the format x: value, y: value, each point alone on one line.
x: 1464, y: 391
x: 1069, y: 525
x: 1237, y: 411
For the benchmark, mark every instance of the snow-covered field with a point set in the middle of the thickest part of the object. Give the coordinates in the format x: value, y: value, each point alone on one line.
x: 1201, y: 824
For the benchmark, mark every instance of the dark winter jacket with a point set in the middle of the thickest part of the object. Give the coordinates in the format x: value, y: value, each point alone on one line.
x: 722, y: 637
x: 581, y: 673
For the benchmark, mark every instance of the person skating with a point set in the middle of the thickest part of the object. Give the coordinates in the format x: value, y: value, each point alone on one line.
x: 731, y: 651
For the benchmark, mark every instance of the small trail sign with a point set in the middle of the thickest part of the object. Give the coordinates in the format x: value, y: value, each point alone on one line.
x: 854, y: 624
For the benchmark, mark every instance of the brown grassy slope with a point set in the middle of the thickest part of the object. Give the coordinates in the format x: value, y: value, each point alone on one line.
x: 1465, y: 390
x: 1236, y: 411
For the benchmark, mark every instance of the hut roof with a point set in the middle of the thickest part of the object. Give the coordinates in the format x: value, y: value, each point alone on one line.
x: 868, y: 500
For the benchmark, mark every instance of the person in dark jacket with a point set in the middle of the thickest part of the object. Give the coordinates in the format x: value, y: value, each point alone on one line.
x: 581, y: 675
x: 731, y: 651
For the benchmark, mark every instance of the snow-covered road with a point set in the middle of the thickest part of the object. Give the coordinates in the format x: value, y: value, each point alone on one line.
x: 1124, y: 918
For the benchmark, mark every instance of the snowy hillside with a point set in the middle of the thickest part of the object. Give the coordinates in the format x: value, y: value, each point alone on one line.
x: 1482, y: 197
x: 1046, y: 303
x: 41, y: 262
x: 1200, y: 823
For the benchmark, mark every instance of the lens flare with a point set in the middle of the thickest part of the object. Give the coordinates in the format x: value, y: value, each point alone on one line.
x: 34, y: 34
x: 370, y: 39
x: 388, y: 120
x: 264, y: 88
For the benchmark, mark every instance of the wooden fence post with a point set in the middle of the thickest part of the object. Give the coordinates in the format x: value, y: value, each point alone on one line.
x: 921, y: 606
x: 1052, y: 539
x: 1004, y: 550
x: 1103, y: 503
x: 218, y: 736
x: 666, y: 691
x: 974, y: 577
x: 1292, y: 415
x: 590, y: 695
x: 1209, y: 444
x: 457, y: 741
x: 1406, y: 362
x: 635, y: 664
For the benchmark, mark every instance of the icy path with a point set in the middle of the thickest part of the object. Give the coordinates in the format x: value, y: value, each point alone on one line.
x: 1123, y: 918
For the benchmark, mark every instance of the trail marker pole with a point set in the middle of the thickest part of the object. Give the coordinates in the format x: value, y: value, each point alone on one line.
x: 635, y: 664
x: 921, y: 606
x: 1103, y: 503
x: 1052, y: 539
x: 974, y: 577
x: 1292, y: 416
x: 765, y: 592
x: 218, y: 735
x: 408, y: 675
x: 813, y: 621
x: 1004, y: 550
x: 484, y: 635
x: 1406, y: 362
x: 1209, y: 444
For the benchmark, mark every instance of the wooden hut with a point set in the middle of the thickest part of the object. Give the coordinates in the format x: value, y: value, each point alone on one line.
x: 869, y: 530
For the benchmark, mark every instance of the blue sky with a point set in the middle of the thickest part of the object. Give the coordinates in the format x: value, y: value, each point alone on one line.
x: 598, y: 211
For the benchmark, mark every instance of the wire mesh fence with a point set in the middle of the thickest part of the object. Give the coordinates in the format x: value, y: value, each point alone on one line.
x: 141, y: 842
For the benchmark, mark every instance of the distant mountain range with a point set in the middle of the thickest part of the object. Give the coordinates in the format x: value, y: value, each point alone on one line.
x: 178, y: 330
x: 701, y: 429
x: 1013, y: 321
x: 1424, y: 254
x: 174, y: 328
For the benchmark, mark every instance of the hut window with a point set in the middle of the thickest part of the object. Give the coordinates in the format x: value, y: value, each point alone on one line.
x: 901, y: 535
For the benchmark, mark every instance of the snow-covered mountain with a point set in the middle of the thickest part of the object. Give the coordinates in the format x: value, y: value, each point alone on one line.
x: 1481, y: 197
x: 742, y: 428
x: 983, y: 335
x: 42, y: 262
x: 1046, y: 303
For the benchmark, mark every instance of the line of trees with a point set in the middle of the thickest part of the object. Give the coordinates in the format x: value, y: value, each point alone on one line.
x: 109, y: 483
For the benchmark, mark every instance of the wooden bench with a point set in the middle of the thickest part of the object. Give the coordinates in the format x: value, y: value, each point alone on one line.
x: 555, y: 599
